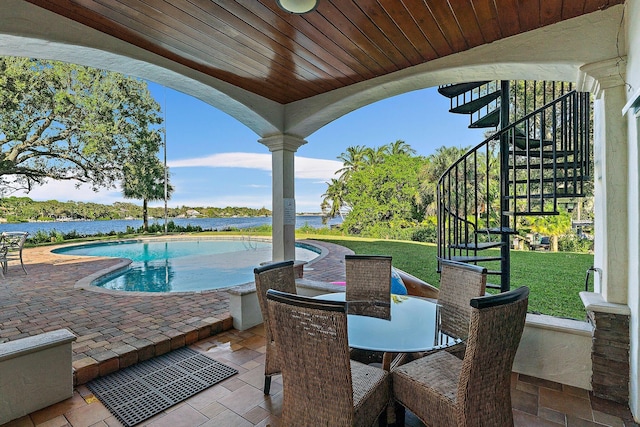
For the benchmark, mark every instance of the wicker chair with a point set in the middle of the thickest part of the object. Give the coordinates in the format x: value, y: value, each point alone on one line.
x: 279, y: 276
x: 322, y: 386
x: 13, y: 242
x: 443, y: 390
x: 459, y: 283
x: 368, y: 286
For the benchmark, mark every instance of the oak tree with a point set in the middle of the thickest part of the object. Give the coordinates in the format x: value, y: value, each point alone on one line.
x: 64, y: 121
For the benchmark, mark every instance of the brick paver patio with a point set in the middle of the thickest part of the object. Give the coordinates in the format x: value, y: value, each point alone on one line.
x: 117, y: 329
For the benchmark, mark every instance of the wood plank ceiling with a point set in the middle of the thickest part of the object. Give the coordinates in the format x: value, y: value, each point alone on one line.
x: 255, y: 45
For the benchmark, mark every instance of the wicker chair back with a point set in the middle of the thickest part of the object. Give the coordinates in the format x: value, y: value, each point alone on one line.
x: 497, y: 323
x: 368, y: 288
x: 279, y: 276
x: 321, y: 385
x: 443, y: 390
x: 459, y: 283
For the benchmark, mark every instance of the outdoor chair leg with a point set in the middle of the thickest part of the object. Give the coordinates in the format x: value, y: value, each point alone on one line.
x: 400, y: 414
x: 267, y: 384
x: 22, y: 265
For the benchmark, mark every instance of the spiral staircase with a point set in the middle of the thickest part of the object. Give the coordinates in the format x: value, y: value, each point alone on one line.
x: 537, y: 154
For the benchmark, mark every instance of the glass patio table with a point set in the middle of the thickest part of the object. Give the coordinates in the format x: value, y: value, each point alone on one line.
x: 413, y: 328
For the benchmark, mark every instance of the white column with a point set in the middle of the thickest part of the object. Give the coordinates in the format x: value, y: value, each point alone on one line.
x: 283, y: 148
x: 616, y: 188
x: 634, y: 253
x: 611, y: 194
x: 611, y: 172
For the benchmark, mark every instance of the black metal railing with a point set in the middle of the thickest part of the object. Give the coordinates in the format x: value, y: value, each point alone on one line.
x: 522, y: 169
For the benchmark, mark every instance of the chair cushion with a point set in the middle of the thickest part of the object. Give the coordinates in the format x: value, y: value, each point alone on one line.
x: 371, y: 392
x: 429, y: 386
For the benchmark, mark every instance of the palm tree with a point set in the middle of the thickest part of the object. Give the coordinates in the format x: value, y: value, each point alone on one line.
x: 553, y: 226
x: 399, y: 147
x: 435, y: 165
x: 352, y: 160
x: 375, y: 156
x: 144, y: 175
x: 333, y: 200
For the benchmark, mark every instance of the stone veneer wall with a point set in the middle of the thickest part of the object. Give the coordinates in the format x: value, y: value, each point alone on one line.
x: 610, y: 356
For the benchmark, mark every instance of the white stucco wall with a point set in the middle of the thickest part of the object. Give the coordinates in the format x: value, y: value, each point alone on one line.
x: 35, y: 372
x: 556, y: 349
x: 632, y: 77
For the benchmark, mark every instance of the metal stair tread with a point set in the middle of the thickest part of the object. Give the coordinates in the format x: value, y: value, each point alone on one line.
x: 476, y: 104
x: 544, y: 196
x: 498, y: 230
x: 547, y: 166
x: 550, y: 180
x: 532, y: 213
x: 471, y: 258
x: 479, y: 246
x: 521, y: 142
x: 490, y: 120
x: 535, y: 152
x: 451, y: 91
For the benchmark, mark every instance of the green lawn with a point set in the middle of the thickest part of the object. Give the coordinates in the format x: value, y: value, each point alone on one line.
x: 555, y: 279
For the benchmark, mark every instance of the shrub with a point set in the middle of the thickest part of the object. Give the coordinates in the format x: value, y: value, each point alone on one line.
x: 424, y: 234
x: 171, y: 227
x: 574, y: 243
x: 265, y: 228
x: 39, y: 237
x: 324, y: 231
x: 73, y: 234
x: 383, y: 230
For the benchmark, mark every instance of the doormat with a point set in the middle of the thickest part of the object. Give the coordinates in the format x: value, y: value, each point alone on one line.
x: 143, y: 390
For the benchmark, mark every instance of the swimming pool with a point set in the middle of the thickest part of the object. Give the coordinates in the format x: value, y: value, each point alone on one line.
x: 182, y: 265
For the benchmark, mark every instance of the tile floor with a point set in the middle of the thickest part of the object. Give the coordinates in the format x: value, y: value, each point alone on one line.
x: 239, y: 401
x: 113, y: 327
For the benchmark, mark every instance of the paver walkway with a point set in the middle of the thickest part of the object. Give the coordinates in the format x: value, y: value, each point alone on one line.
x: 117, y: 329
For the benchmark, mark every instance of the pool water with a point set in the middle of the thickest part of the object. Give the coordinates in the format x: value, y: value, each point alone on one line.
x: 182, y: 265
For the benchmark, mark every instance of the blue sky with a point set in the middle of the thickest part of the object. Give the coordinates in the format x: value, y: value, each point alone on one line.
x: 217, y: 161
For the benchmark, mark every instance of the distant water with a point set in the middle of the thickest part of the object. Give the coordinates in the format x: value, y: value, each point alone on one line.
x: 120, y: 225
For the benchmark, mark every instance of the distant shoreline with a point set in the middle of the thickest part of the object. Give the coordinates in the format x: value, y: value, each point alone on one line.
x: 93, y: 227
x: 4, y: 220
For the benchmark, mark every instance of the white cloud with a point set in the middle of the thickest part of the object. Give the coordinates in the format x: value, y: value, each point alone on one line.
x: 306, y: 167
x: 317, y: 169
x: 226, y: 160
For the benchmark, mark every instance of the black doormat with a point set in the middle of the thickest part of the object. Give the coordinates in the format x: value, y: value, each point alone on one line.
x: 143, y: 390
